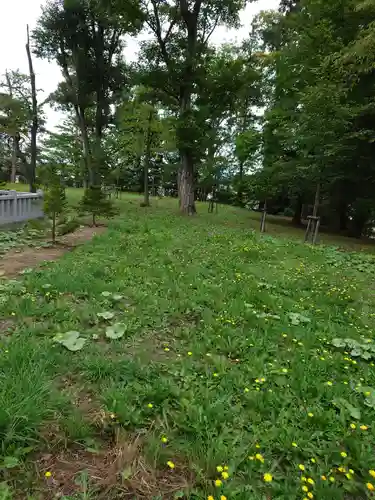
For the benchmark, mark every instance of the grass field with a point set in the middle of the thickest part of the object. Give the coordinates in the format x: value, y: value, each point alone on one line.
x: 224, y: 381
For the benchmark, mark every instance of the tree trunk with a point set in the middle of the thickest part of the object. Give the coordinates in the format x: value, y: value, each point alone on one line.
x: 317, y: 200
x: 54, y: 227
x: 186, y: 184
x: 297, y: 217
x: 146, y: 200
x: 13, y: 172
x: 34, y: 126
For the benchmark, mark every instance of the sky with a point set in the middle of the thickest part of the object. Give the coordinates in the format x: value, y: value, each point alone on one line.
x: 16, y: 14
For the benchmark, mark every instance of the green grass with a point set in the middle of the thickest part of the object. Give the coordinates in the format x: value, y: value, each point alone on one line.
x: 227, y: 353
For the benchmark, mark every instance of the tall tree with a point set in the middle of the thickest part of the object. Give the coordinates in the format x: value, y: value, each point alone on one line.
x: 85, y: 37
x: 181, y: 30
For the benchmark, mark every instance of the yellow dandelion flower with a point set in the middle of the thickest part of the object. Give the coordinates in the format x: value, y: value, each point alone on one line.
x: 257, y: 446
x: 370, y: 486
x: 332, y: 479
x: 324, y: 478
x: 218, y: 482
x: 170, y: 464
x: 305, y: 488
x: 363, y: 427
x: 251, y: 458
x: 166, y: 349
x: 353, y: 426
x: 310, y: 495
x: 311, y: 481
x: 284, y: 370
x: 48, y: 474
x: 348, y: 475
x: 210, y: 497
x: 344, y: 454
x: 164, y: 439
x: 223, y: 497
x: 190, y: 353
x: 259, y: 457
x: 351, y: 471
x: 301, y: 467
x: 313, y: 460
x: 367, y: 394
x: 342, y: 469
x: 216, y: 374
x: 150, y: 405
x: 294, y: 445
x: 303, y: 479
x: 246, y: 389
x: 310, y: 414
x: 267, y: 477
x: 372, y: 473
x: 219, y: 468
x: 329, y: 383
x: 226, y: 467
x: 224, y: 475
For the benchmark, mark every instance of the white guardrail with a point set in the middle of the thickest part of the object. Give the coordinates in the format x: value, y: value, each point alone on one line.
x: 16, y: 206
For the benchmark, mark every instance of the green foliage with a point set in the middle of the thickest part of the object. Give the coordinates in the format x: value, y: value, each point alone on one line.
x: 115, y: 331
x: 96, y: 203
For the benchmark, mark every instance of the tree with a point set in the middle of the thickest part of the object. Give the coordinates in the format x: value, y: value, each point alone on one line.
x: 54, y: 199
x: 85, y: 38
x: 173, y: 61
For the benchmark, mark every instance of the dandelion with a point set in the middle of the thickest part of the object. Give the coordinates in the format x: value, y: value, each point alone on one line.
x: 370, y: 486
x: 150, y: 405
x: 170, y: 464
x: 166, y: 349
x: 246, y: 389
x: 257, y: 446
x: 226, y: 467
x: 223, y: 497
x: 294, y: 445
x: 348, y: 475
x: 353, y: 426
x: 344, y: 454
x: 329, y: 383
x: 285, y: 335
x: 301, y: 467
x: 303, y: 479
x: 164, y: 439
x: 372, y: 473
x: 219, y: 468
x: 363, y: 427
x: 342, y: 469
x: 259, y: 457
x: 190, y: 353
x: 324, y: 478
x: 267, y: 477
x: 332, y: 479
x: 251, y: 458
x: 313, y: 460
x: 48, y: 474
x: 310, y: 414
x: 310, y: 495
x: 218, y: 482
x: 284, y: 370
x: 305, y: 488
x: 367, y: 394
x: 210, y: 497
x: 216, y: 374
x: 224, y: 475
x: 311, y: 481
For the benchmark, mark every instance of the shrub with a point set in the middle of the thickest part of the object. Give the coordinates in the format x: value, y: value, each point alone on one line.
x: 95, y: 203
x: 54, y: 202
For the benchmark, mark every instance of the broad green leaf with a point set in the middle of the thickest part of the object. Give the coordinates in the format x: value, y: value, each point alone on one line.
x: 339, y: 342
x: 106, y: 315
x: 115, y: 331
x: 71, y: 340
x: 106, y: 294
x: 344, y: 404
x: 117, y: 296
x: 10, y: 462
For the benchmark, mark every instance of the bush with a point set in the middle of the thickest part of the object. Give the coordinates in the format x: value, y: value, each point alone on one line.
x: 95, y: 203
x: 68, y: 226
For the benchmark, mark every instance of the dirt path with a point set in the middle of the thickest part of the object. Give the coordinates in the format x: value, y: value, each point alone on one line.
x: 13, y: 262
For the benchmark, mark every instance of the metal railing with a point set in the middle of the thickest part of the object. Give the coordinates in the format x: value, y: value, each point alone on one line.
x: 17, y: 207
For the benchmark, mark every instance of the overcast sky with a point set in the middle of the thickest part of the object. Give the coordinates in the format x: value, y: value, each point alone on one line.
x: 16, y: 14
